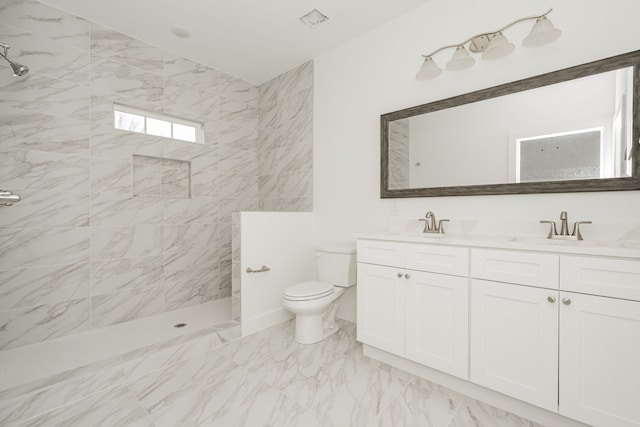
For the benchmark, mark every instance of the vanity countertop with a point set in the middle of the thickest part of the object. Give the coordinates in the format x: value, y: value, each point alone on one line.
x: 623, y: 248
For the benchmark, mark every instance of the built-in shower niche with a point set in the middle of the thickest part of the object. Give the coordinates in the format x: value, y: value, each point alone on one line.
x: 160, y: 177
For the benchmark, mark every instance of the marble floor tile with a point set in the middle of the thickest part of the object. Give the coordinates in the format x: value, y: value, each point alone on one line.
x: 354, y: 394
x: 161, y: 389
x: 267, y: 379
x: 18, y: 403
x: 285, y: 368
x: 270, y: 408
x: 116, y: 407
x: 230, y: 392
x: 478, y: 414
x: 417, y: 406
x: 253, y: 350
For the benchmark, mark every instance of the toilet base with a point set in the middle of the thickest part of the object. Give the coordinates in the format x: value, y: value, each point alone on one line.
x: 310, y: 329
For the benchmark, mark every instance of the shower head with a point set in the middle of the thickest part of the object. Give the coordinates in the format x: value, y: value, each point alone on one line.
x: 19, y: 70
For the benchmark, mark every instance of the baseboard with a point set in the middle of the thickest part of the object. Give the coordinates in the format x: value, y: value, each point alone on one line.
x: 264, y: 321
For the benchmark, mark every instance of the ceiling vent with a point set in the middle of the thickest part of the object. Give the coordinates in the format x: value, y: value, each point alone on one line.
x: 314, y: 19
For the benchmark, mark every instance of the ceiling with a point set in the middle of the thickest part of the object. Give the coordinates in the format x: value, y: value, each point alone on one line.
x: 251, y: 39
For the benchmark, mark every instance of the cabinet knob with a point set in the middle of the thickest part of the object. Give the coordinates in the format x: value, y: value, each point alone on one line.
x: 551, y: 299
x: 407, y: 276
x: 399, y: 274
x: 566, y: 301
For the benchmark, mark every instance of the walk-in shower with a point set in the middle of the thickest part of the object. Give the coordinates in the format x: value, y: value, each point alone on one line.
x: 19, y: 70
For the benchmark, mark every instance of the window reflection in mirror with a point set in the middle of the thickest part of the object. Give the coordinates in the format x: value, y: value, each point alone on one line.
x: 570, y: 155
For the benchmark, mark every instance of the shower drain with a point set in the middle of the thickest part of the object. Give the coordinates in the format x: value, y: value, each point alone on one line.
x: 179, y: 325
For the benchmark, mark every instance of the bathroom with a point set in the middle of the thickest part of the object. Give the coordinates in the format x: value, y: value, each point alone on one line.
x: 328, y: 171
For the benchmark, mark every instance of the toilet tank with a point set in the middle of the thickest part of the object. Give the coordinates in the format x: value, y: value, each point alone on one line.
x: 336, y: 263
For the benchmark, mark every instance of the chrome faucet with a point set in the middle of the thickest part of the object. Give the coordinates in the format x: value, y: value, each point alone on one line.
x: 430, y: 223
x: 564, y: 228
x: 7, y: 198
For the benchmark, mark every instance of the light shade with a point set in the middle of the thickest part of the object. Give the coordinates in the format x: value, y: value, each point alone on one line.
x: 543, y: 32
x: 461, y: 60
x: 499, y: 47
x: 429, y: 70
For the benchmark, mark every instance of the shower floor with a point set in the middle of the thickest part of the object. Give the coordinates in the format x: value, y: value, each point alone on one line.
x: 53, y: 373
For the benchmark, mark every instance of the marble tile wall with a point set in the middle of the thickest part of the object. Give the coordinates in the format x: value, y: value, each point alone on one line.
x: 399, y: 172
x: 285, y: 131
x: 236, y: 270
x: 80, y: 251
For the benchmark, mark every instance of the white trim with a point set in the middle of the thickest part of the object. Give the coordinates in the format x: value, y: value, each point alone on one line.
x: 264, y: 321
x: 199, y: 127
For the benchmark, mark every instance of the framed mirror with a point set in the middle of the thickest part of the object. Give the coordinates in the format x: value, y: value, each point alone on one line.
x: 571, y: 130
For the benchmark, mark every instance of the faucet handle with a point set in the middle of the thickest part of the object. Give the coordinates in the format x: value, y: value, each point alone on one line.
x: 576, y: 229
x: 426, y: 224
x: 553, y: 231
x: 441, y: 225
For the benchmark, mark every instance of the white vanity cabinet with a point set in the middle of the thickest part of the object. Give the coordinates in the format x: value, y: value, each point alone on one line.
x: 599, y: 378
x: 408, y: 307
x: 557, y: 329
x: 538, y: 337
x: 514, y: 325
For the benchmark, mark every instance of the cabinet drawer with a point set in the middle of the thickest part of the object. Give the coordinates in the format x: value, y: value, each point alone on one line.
x: 381, y: 252
x: 601, y: 276
x: 526, y: 268
x: 438, y: 259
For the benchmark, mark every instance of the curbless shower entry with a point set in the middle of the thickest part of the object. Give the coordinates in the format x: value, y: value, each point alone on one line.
x: 39, y: 378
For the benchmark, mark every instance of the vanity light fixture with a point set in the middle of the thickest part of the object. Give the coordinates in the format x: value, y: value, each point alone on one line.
x: 492, y: 45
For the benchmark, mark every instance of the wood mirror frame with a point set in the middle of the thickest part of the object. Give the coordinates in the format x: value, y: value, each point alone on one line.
x: 631, y: 59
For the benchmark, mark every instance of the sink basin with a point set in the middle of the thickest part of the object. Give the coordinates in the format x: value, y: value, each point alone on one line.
x: 631, y: 244
x: 557, y: 242
x: 458, y: 237
x: 425, y: 235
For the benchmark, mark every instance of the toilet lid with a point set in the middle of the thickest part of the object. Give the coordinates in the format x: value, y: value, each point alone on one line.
x: 308, y: 290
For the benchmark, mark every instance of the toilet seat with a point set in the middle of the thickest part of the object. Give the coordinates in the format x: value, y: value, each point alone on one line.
x: 308, y: 291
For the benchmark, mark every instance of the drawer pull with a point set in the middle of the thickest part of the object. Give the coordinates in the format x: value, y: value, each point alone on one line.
x: 551, y: 299
x: 566, y: 301
x: 407, y: 276
x: 399, y: 274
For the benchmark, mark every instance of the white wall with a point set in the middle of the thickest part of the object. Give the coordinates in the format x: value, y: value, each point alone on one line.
x: 283, y: 242
x: 374, y: 74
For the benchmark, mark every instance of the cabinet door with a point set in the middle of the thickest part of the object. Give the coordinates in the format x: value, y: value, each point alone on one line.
x: 437, y: 322
x: 380, y: 294
x: 600, y: 360
x: 514, y: 341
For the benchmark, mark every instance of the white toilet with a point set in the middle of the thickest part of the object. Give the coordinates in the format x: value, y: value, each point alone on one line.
x: 315, y: 303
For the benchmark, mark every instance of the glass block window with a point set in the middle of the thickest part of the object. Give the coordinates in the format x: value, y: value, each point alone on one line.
x: 562, y: 156
x: 150, y: 123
